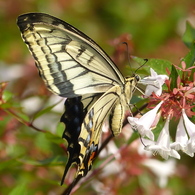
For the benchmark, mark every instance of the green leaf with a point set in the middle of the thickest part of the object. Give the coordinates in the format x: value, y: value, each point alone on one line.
x: 53, y: 161
x: 48, y: 142
x: 174, y: 74
x: 6, y: 105
x: 7, y: 95
x: 60, y: 129
x: 42, y: 142
x: 57, y: 160
x: 18, y: 190
x: 157, y: 65
x: 46, y: 110
x: 189, y: 59
x: 7, y: 100
x: 189, y: 35
x: 5, y: 165
x: 23, y: 116
x: 57, y: 139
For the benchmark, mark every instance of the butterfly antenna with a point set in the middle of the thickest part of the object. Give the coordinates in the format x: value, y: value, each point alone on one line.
x: 128, y: 56
x: 145, y: 61
x: 128, y: 51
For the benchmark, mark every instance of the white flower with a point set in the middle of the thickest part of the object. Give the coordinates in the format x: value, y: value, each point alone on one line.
x: 162, y: 145
x: 161, y: 169
x: 144, y: 124
x: 190, y: 127
x: 154, y: 83
x: 181, y: 138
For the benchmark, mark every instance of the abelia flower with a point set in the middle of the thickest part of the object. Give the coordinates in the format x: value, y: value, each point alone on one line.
x: 176, y: 103
x: 162, y: 145
x: 144, y: 124
x: 190, y: 128
x: 154, y: 83
x: 181, y: 138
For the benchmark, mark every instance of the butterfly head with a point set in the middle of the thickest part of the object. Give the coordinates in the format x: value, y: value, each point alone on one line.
x: 137, y: 77
x: 134, y: 79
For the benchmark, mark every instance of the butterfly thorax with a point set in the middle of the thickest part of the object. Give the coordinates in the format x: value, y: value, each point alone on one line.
x: 130, y: 86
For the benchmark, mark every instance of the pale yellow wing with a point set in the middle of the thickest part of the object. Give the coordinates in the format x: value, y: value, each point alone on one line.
x: 112, y: 103
x: 92, y: 127
x: 69, y: 62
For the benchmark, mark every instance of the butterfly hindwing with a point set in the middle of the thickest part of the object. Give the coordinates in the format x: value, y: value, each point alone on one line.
x: 92, y: 126
x: 75, y: 111
x: 93, y: 110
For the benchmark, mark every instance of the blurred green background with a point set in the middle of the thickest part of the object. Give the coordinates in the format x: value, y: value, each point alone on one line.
x: 155, y: 26
x: 30, y: 160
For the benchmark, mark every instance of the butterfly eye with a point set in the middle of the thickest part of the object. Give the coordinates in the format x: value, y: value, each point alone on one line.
x: 137, y: 77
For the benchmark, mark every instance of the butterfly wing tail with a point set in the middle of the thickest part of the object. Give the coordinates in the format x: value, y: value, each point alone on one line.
x: 75, y: 111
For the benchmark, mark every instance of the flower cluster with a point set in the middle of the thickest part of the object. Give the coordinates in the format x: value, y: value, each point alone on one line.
x: 175, y: 103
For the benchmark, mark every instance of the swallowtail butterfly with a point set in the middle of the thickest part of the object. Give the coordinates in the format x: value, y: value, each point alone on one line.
x: 73, y: 66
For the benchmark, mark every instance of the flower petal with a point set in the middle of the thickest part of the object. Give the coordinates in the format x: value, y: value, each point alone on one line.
x: 158, y: 149
x: 162, y: 145
x: 143, y: 125
x: 181, y: 138
x: 190, y: 127
x: 154, y: 83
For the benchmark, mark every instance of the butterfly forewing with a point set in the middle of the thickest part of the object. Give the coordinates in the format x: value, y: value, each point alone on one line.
x: 72, y: 65
x: 69, y: 62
